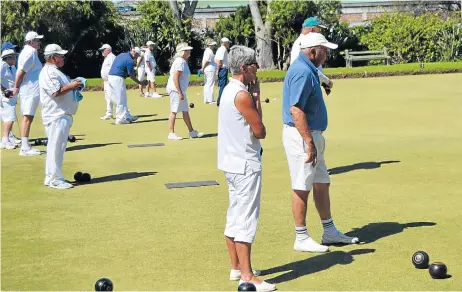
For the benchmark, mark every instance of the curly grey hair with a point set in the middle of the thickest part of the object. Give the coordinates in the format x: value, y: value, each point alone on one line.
x: 240, y: 55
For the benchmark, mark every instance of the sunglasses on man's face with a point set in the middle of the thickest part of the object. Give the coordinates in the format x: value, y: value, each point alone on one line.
x: 255, y: 63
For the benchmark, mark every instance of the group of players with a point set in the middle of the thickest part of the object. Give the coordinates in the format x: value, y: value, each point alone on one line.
x: 240, y: 125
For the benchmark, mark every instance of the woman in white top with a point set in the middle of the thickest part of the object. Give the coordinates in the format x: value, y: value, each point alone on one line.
x: 176, y: 88
x: 8, y: 102
x: 209, y: 67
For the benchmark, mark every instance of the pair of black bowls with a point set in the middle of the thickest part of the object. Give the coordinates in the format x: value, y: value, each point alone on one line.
x: 437, y: 270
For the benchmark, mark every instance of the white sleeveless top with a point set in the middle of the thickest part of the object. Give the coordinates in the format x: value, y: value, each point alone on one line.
x: 237, y: 145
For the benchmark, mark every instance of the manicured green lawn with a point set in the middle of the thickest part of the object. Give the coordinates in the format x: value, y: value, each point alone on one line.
x: 127, y: 226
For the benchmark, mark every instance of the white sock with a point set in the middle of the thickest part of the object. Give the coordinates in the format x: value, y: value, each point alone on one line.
x: 301, y: 233
x: 329, y: 226
x: 25, y: 143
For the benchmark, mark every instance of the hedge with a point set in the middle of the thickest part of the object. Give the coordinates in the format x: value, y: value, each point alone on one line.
x: 333, y: 73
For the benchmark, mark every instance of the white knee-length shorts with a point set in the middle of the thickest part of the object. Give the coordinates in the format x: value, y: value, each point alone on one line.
x: 177, y: 105
x: 302, y: 174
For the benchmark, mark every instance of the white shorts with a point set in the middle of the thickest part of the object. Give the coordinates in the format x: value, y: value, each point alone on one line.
x: 244, y: 205
x: 141, y: 73
x: 8, y: 110
x: 302, y: 174
x: 29, y: 105
x: 177, y: 105
x: 151, y: 75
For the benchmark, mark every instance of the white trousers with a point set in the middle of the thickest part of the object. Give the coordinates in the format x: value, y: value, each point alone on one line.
x: 244, y: 205
x: 107, y: 97
x: 57, y: 133
x: 119, y: 97
x: 209, y: 82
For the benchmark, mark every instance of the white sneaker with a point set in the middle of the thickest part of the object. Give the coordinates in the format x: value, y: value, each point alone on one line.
x: 235, y: 275
x: 106, y: 117
x: 263, y: 286
x: 14, y: 139
x: 7, y: 145
x: 338, y: 237
x: 147, y: 94
x: 309, y: 245
x: 60, y: 184
x: 195, y: 134
x: 123, y: 122
x: 29, y: 152
x: 174, y: 136
x: 155, y: 95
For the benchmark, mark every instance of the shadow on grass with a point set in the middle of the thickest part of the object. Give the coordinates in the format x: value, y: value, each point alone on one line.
x: 118, y: 177
x: 88, y: 146
x: 313, y: 265
x: 150, y: 121
x: 210, y: 135
x: 375, y: 231
x: 146, y: 116
x: 357, y: 166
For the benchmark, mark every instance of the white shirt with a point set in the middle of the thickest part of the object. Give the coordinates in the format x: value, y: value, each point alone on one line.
x: 179, y: 65
x: 149, y: 57
x: 29, y: 62
x: 106, y: 67
x: 294, y: 54
x: 222, y: 55
x: 209, y: 57
x: 237, y: 145
x: 8, y: 74
x: 51, y: 80
x: 142, y: 61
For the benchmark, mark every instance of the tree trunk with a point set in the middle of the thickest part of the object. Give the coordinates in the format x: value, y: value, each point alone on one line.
x: 177, y: 15
x: 263, y: 36
x: 279, y: 56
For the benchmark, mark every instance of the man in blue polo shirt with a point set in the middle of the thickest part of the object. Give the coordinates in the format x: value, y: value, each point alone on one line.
x: 123, y: 67
x: 305, y: 119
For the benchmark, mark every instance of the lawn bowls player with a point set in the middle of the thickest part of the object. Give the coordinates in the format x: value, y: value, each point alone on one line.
x: 221, y: 59
x: 27, y: 84
x: 58, y: 108
x: 151, y: 65
x: 177, y: 85
x: 209, y: 68
x: 8, y: 104
x: 305, y: 120
x: 240, y: 128
x: 106, y: 51
x: 123, y: 67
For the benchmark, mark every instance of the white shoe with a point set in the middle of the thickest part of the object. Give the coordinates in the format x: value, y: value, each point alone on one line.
x: 195, y: 134
x: 60, y: 184
x: 134, y: 118
x: 106, y: 117
x: 14, y: 139
x: 174, y: 137
x: 155, y: 95
x: 30, y: 152
x: 338, y: 237
x: 235, y: 275
x: 263, y: 286
x: 147, y: 94
x: 8, y: 145
x: 123, y: 122
x: 309, y: 245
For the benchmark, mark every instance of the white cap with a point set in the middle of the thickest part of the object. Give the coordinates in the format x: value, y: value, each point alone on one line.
x: 54, y: 49
x: 183, y: 47
x: 137, y: 50
x: 211, y: 42
x: 105, y: 46
x: 32, y: 35
x: 150, y: 43
x: 8, y: 53
x: 225, y: 40
x: 314, y: 39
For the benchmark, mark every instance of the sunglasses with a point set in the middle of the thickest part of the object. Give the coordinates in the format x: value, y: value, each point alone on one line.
x: 251, y: 64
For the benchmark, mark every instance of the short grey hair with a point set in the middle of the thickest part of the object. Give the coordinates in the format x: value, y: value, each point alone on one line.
x: 240, y: 55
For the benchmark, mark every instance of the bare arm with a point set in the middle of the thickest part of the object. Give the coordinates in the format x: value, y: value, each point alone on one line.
x: 176, y: 82
x: 301, y: 124
x: 205, y: 65
x: 246, y: 106
x: 136, y: 80
x: 254, y: 89
x: 219, y: 65
x: 19, y: 78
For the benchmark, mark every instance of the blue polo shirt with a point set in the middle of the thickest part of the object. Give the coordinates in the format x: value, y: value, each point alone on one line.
x: 123, y: 65
x: 303, y: 90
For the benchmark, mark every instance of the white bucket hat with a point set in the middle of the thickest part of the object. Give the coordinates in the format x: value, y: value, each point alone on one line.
x: 9, y: 52
x: 183, y: 47
x: 225, y: 40
x: 314, y: 39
